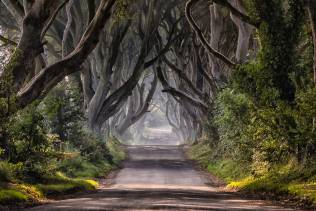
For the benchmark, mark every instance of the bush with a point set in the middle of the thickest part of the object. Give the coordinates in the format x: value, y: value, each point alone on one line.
x: 228, y: 170
x: 80, y: 167
x: 12, y: 197
x: 66, y: 188
x: 30, y: 144
x: 96, y: 159
x: 232, y: 118
x: 116, y: 150
x: 95, y: 149
x: 60, y: 184
x: 9, y: 171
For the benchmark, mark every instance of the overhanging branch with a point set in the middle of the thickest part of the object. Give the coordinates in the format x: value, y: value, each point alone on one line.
x: 7, y: 41
x: 237, y: 13
x: 202, y: 38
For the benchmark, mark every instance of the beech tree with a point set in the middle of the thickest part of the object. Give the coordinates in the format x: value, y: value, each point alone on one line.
x: 120, y: 49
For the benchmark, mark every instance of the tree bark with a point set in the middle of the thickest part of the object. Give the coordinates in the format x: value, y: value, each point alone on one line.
x: 202, y: 38
x: 51, y: 75
x: 311, y: 7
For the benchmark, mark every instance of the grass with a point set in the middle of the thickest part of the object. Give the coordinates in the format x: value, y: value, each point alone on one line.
x: 60, y: 184
x: 66, y: 188
x: 305, y: 190
x: 200, y: 152
x: 13, y: 193
x: 27, y: 194
x: 81, y: 167
x: 19, y: 194
x: 9, y: 196
x: 116, y: 150
x: 224, y: 169
x: 280, y: 184
x: 290, y: 179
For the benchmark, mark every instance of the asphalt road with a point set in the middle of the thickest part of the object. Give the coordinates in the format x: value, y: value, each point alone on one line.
x: 159, y: 178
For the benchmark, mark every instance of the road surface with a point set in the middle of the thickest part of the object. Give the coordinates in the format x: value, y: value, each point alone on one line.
x: 159, y: 178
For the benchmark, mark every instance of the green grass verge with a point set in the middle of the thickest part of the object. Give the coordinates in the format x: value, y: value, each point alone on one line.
x: 59, y: 184
x: 279, y: 184
x: 9, y: 196
x: 81, y: 167
x: 116, y: 150
x: 26, y: 194
x: 19, y: 194
x: 286, y: 180
x: 224, y: 169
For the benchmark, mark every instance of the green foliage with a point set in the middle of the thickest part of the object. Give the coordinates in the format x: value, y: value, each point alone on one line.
x: 47, y: 137
x: 268, y: 80
x: 67, y: 186
x: 116, y: 150
x: 226, y: 169
x: 9, y: 171
x: 95, y: 149
x: 81, y: 167
x: 33, y: 193
x: 62, y: 109
x: 12, y: 197
x: 96, y: 160
x: 288, y: 179
x: 266, y: 116
x: 232, y: 117
x: 30, y: 144
x: 122, y: 11
x: 55, y: 184
x: 19, y: 194
x: 202, y: 153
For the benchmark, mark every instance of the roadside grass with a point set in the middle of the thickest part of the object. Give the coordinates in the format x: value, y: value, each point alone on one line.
x: 81, y: 167
x: 10, y: 196
x: 116, y: 150
x: 32, y: 194
x: 60, y: 184
x: 293, y: 183
x: 19, y: 194
x: 200, y: 152
x: 15, y: 193
x: 289, y: 180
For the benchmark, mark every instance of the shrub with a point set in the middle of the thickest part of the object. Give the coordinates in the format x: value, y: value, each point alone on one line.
x: 95, y: 149
x: 8, y: 171
x: 31, y: 145
x: 60, y: 184
x: 12, y: 197
x: 116, y: 150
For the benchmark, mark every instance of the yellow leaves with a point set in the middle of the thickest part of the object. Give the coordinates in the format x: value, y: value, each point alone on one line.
x: 240, y: 184
x: 93, y: 183
x: 30, y: 190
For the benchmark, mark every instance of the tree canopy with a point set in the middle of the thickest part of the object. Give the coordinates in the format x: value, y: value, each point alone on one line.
x: 239, y: 75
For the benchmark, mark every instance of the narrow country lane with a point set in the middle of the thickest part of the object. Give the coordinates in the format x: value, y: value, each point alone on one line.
x: 159, y: 178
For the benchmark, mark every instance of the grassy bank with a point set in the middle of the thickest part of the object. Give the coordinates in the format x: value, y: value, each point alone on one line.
x: 74, y: 174
x: 23, y: 195
x: 96, y: 164
x: 288, y: 180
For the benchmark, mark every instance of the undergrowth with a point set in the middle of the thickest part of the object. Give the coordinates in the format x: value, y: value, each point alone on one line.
x: 288, y: 179
x: 73, y: 176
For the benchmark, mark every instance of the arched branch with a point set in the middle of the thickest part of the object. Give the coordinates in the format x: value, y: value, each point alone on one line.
x: 52, y: 18
x: 202, y: 38
x: 237, y: 13
x: 177, y: 93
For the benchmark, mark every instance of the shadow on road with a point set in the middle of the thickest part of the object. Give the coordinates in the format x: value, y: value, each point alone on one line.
x: 159, y: 178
